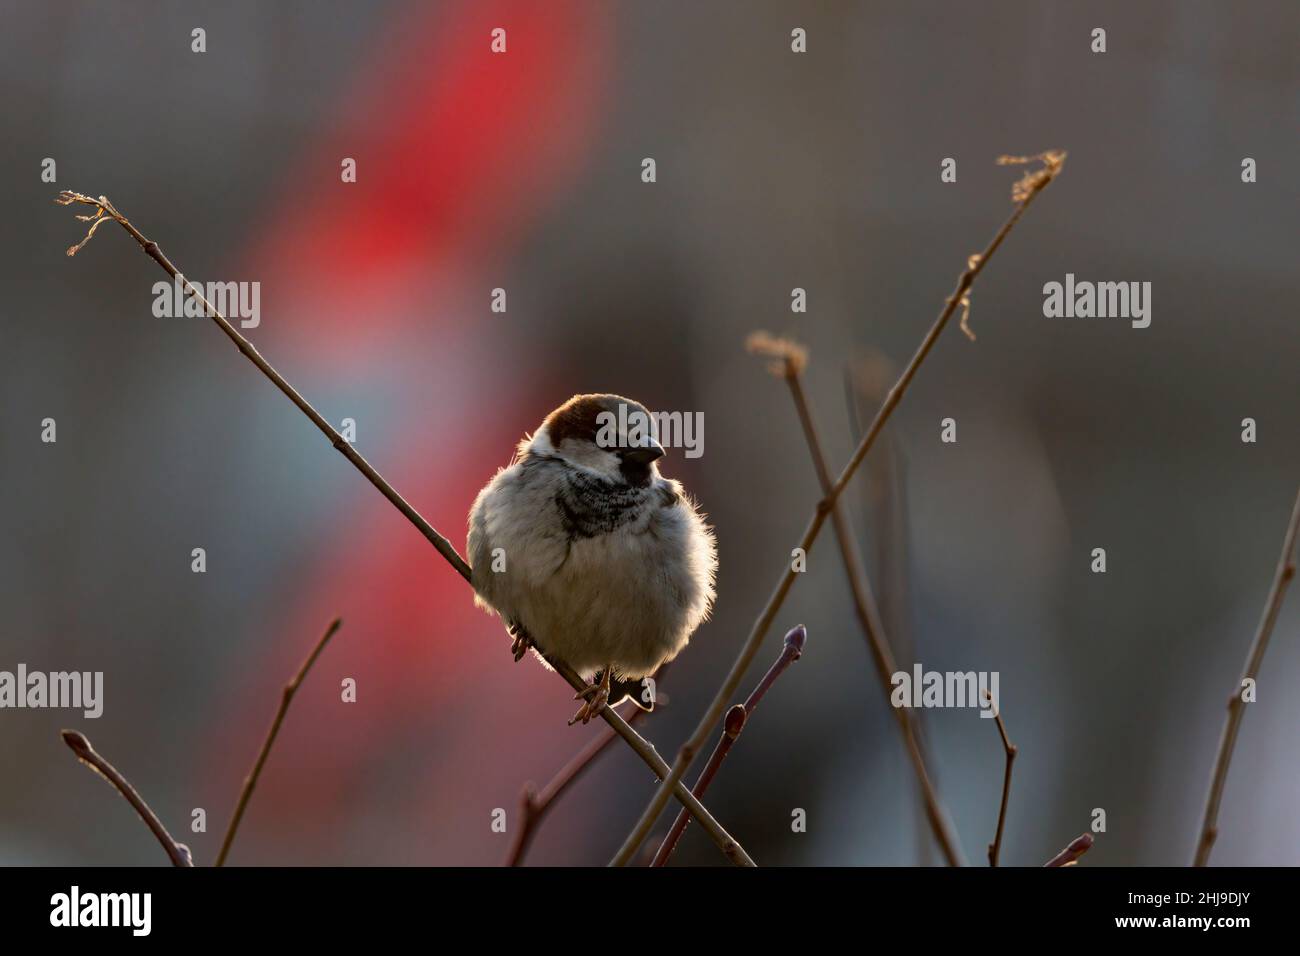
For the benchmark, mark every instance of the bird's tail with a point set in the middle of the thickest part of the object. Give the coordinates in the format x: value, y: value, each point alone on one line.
x: 640, y: 691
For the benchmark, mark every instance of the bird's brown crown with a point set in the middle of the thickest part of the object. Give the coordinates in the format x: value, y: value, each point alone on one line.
x: 578, y: 417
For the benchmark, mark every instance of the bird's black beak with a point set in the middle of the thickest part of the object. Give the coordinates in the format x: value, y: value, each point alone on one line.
x: 644, y: 454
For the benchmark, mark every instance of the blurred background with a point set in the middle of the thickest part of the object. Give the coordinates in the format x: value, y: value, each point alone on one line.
x: 522, y: 171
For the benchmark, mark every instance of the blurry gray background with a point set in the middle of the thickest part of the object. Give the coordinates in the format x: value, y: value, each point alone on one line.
x: 775, y: 171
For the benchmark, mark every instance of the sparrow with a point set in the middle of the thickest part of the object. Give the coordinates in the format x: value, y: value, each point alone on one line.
x: 588, y: 554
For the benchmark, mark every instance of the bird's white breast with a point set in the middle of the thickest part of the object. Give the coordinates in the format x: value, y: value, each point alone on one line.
x: 630, y: 597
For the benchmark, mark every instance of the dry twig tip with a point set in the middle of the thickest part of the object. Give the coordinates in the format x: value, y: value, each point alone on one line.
x: 732, y: 725
x: 1070, y: 855
x: 790, y: 358
x: 178, y: 853
x: 286, y: 698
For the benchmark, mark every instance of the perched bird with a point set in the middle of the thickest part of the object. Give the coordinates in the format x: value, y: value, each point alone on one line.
x: 589, y: 555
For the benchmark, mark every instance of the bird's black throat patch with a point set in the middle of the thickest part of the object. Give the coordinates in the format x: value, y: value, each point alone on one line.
x: 589, y: 505
x: 592, y: 506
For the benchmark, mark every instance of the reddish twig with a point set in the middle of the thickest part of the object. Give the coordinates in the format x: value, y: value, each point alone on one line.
x: 1025, y: 192
x: 996, y: 846
x: 534, y: 804
x: 1070, y: 855
x: 179, y: 853
x: 286, y: 698
x: 1236, y: 705
x: 734, y: 723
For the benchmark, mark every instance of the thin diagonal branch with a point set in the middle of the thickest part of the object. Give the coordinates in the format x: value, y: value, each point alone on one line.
x: 1027, y: 190
x: 179, y: 853
x: 865, y: 382
x: 445, y: 547
x: 1070, y: 855
x: 286, y: 698
x: 730, y: 848
x: 534, y: 804
x: 996, y: 846
x: 864, y: 602
x: 735, y: 722
x: 1236, y: 705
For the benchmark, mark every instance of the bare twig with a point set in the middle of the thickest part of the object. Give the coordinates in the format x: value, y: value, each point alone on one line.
x: 884, y: 496
x: 1070, y: 855
x: 734, y: 723
x: 864, y: 605
x: 730, y: 848
x: 1236, y: 705
x: 179, y: 853
x: 286, y: 698
x: 105, y: 210
x: 996, y: 846
x: 534, y: 804
x: 1052, y: 163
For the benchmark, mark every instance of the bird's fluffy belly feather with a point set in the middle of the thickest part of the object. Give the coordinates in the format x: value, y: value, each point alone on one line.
x: 631, y: 597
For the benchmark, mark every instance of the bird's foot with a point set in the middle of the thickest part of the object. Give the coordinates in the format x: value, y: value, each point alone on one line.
x: 597, y: 696
x: 523, y: 642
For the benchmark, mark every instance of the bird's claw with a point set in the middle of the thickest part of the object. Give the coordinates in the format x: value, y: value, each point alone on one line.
x: 591, y: 708
x: 597, y: 696
x: 523, y: 642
